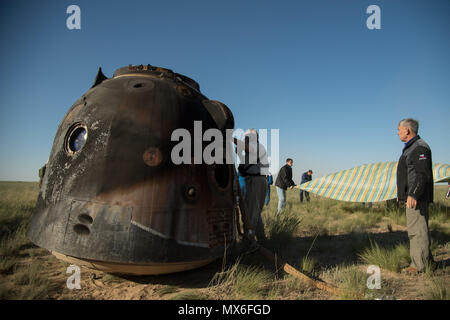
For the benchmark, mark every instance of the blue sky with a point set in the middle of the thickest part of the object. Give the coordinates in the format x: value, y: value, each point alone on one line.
x: 334, y: 88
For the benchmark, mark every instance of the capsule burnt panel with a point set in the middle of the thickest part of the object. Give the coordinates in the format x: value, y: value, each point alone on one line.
x: 111, y: 192
x: 222, y: 175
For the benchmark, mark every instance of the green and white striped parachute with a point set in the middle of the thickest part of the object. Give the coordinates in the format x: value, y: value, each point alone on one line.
x: 367, y: 183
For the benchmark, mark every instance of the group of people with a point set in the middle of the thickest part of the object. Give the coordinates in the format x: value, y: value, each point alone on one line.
x: 414, y: 187
x: 255, y: 180
x: 283, y: 182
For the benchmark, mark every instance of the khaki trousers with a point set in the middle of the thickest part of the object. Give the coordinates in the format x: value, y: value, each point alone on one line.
x: 419, y: 238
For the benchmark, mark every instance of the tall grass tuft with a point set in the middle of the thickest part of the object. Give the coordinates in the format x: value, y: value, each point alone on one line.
x: 282, y: 228
x: 397, y: 215
x: 308, y: 265
x: 351, y: 281
x: 437, y: 291
x: 388, y: 258
x: 242, y: 282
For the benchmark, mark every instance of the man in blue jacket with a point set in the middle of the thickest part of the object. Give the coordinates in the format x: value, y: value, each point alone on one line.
x: 306, y: 176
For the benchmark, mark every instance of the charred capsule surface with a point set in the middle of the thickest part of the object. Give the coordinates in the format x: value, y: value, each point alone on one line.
x: 112, y: 197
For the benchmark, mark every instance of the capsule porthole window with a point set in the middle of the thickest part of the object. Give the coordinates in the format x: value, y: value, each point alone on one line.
x: 76, y: 138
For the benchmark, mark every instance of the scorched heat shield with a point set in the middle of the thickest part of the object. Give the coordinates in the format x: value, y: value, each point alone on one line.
x: 112, y: 199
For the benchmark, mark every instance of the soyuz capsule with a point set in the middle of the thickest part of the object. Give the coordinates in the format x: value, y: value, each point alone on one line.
x: 112, y: 199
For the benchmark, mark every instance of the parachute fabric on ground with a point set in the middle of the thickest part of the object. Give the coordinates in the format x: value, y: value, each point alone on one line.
x: 441, y: 172
x: 367, y: 183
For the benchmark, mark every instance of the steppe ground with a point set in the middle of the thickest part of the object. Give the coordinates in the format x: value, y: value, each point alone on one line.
x: 326, y: 239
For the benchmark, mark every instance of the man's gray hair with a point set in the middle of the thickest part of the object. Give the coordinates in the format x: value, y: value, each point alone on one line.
x: 411, y: 124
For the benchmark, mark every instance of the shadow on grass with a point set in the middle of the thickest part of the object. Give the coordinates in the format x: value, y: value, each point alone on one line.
x: 334, y: 250
x: 200, y: 277
x: 327, y: 251
x: 192, y: 279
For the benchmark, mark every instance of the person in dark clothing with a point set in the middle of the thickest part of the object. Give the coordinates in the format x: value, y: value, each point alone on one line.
x: 306, y: 176
x: 284, y: 181
x: 241, y: 179
x: 253, y: 168
x: 415, y: 187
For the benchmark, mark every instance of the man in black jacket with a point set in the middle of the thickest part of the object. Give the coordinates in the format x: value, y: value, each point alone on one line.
x: 284, y: 181
x: 415, y: 187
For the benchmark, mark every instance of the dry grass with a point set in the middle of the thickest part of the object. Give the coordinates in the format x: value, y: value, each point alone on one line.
x: 242, y: 282
x: 351, y: 280
x: 17, y: 201
x: 281, y: 229
x: 327, y: 239
x: 188, y: 295
x: 437, y: 290
x: 393, y: 259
